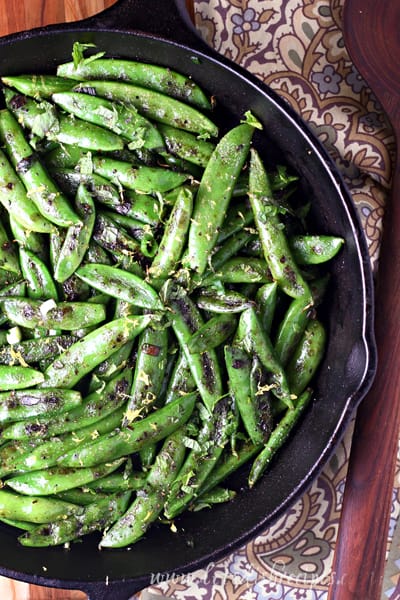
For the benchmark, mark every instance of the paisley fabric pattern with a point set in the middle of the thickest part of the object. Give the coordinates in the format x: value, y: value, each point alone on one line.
x: 297, y: 48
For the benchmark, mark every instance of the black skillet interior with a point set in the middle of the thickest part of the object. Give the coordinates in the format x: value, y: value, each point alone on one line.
x: 143, y: 29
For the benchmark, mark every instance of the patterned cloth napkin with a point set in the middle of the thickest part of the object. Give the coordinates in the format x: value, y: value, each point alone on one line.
x: 297, y: 48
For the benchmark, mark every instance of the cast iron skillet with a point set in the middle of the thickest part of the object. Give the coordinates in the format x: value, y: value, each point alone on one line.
x: 160, y: 31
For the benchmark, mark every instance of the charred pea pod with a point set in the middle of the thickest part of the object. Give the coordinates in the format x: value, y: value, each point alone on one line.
x: 214, y: 194
x: 266, y: 300
x: 306, y: 357
x: 240, y: 269
x: 215, y: 496
x: 17, y: 377
x: 147, y: 507
x: 238, y: 218
x: 121, y: 442
x: 187, y: 145
x: 47, y: 453
x: 120, y: 284
x: 55, y: 479
x: 295, y: 320
x: 186, y: 320
x: 30, y: 240
x: 275, y: 245
x: 24, y: 404
x: 8, y: 255
x: 261, y: 398
x: 39, y: 280
x: 79, y: 413
x: 140, y: 231
x: 64, y: 156
x: 155, y: 77
x: 143, y: 179
x: 39, y: 117
x: 35, y: 350
x: 14, y: 198
x: 173, y: 240
x: 213, y: 333
x: 181, y: 380
x: 278, y: 437
x: 51, y: 315
x: 256, y: 342
x: 77, y: 237
x: 250, y: 406
x: 123, y: 120
x: 314, y: 249
x: 38, y: 86
x: 86, y: 135
x: 230, y: 248
x: 119, y: 482
x: 40, y: 187
x: 211, y: 440
x: 153, y: 105
x: 80, y: 358
x: 220, y: 302
x: 95, y: 517
x: 229, y: 463
x: 149, y: 373
x: 34, y: 509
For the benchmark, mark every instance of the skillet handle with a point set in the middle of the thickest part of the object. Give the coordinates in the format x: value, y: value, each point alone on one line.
x: 112, y: 591
x: 168, y: 19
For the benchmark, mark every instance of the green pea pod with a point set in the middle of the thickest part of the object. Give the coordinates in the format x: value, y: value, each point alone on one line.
x: 229, y: 463
x: 238, y: 217
x: 51, y: 315
x: 109, y: 236
x: 120, y: 284
x: 261, y: 399
x: 215, y: 496
x: 80, y: 358
x: 181, y: 380
x: 15, y: 200
x: 55, y: 479
x: 147, y: 507
x: 34, y: 509
x: 212, y: 438
x: 40, y: 283
x: 138, y: 230
x: 214, y: 194
x: 77, y: 414
x: 40, y: 118
x: 86, y: 135
x: 149, y: 373
x: 29, y: 239
x: 306, y: 357
x: 122, y: 120
x: 266, y: 299
x: 77, y: 238
x: 275, y: 245
x: 64, y: 156
x: 220, y: 302
x: 230, y: 248
x: 314, y: 249
x: 34, y: 350
x: 251, y: 409
x: 95, y: 517
x: 118, y: 482
x: 174, y: 237
x: 240, y: 269
x: 18, y: 377
x: 38, y: 86
x: 156, y: 77
x: 41, y: 188
x: 121, y: 442
x: 8, y: 255
x: 278, y: 437
x: 213, y: 333
x: 256, y: 342
x: 138, y: 178
x: 186, y: 145
x: 186, y: 319
x: 46, y: 453
x: 23, y: 404
x: 153, y: 105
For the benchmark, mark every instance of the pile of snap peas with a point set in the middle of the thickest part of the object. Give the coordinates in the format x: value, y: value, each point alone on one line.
x: 159, y: 301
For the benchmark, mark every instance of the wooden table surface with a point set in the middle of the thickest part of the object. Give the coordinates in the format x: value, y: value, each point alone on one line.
x: 18, y: 15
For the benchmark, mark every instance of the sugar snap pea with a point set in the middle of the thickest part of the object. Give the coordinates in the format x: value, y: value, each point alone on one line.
x: 34, y: 509
x: 17, y: 377
x: 214, y: 194
x: 39, y: 280
x: 155, y: 427
x: 154, y: 105
x: 41, y: 188
x: 314, y: 249
x: 94, y: 517
x: 156, y: 77
x: 8, y: 254
x: 22, y: 404
x: 80, y: 358
x: 38, y: 86
x: 307, y: 356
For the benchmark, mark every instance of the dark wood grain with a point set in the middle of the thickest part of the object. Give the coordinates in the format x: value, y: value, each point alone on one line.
x: 371, y: 34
